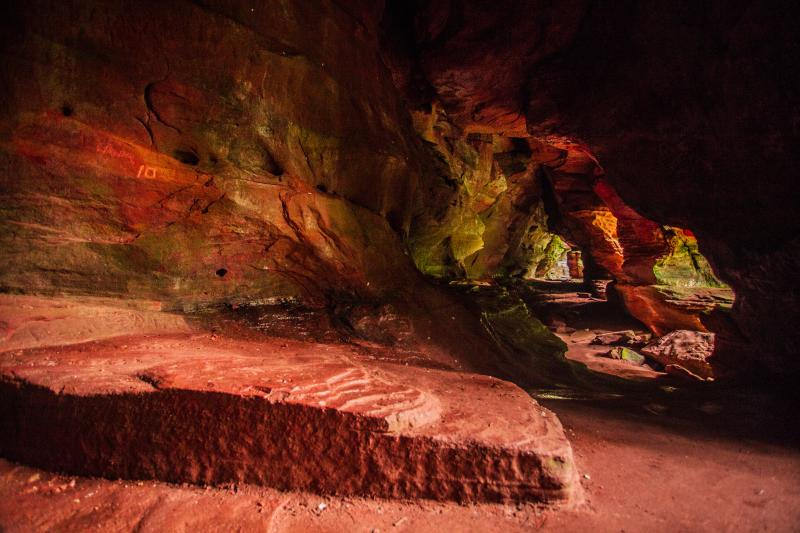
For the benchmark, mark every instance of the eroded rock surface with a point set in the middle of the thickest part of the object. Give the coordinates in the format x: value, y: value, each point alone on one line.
x: 31, y: 499
x: 329, y: 418
x: 684, y: 106
x: 30, y: 322
x: 502, y: 206
x: 234, y: 160
x: 660, y: 275
x: 684, y: 352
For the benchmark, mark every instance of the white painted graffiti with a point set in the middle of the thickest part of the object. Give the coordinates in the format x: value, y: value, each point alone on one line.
x: 147, y: 172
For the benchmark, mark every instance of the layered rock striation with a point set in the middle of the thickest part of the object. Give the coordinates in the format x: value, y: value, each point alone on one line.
x: 201, y: 153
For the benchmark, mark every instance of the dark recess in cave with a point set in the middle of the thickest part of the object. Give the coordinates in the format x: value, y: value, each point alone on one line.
x: 188, y: 157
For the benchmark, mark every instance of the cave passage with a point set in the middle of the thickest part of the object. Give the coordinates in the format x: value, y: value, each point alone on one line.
x: 334, y: 265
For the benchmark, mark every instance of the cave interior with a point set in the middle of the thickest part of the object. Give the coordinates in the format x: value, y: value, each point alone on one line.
x: 338, y: 265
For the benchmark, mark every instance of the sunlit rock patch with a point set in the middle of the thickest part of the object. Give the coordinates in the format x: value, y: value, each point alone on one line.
x: 499, y: 207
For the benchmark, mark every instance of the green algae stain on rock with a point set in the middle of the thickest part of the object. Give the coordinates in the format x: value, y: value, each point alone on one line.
x: 524, y: 342
x: 467, y: 238
x: 626, y: 354
x: 514, y: 323
x: 553, y: 252
x: 683, y: 265
x: 482, y: 216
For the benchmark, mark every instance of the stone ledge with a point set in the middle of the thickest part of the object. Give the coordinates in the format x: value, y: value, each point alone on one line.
x: 285, y: 414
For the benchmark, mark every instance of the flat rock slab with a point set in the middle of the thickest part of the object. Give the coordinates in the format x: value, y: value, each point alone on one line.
x: 286, y: 414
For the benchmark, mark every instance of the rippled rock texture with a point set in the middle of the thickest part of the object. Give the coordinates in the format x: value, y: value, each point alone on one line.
x: 170, y: 402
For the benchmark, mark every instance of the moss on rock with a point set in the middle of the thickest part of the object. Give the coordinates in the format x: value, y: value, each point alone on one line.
x: 683, y: 265
x: 485, y: 216
x: 525, y: 343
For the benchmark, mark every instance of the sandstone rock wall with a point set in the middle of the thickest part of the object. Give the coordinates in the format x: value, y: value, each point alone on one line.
x: 691, y: 109
x: 207, y: 153
x: 201, y: 151
x: 498, y: 206
x: 480, y: 212
x: 197, y: 152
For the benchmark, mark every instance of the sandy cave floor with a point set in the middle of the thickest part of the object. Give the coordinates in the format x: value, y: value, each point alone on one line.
x: 641, y: 478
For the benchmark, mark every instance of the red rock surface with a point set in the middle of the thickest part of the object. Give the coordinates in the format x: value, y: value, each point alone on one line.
x: 666, y: 309
x: 30, y: 321
x: 643, y: 468
x: 638, y: 479
x: 684, y: 106
x: 242, y: 161
x: 586, y: 215
x: 293, y: 415
x: 662, y: 283
x: 201, y: 153
x: 194, y: 156
x: 288, y: 171
x: 684, y: 352
x: 36, y: 500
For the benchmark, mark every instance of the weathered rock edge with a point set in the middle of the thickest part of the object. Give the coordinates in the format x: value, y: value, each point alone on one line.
x: 207, y: 437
